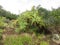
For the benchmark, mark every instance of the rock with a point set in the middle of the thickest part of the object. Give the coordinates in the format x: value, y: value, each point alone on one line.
x: 56, y: 38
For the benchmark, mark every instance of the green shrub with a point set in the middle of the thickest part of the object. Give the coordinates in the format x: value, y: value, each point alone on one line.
x: 29, y: 21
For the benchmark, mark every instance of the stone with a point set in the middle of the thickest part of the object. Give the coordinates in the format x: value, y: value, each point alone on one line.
x: 56, y: 38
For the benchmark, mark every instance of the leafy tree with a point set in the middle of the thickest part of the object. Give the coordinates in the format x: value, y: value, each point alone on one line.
x: 50, y: 18
x: 7, y: 14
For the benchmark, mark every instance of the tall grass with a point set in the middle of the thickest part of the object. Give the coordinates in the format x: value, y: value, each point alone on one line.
x: 44, y: 43
x: 18, y: 40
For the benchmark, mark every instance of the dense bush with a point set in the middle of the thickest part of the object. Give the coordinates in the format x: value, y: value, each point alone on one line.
x: 30, y: 20
x: 39, y: 19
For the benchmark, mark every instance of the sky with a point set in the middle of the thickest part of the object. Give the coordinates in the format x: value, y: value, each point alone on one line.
x: 18, y: 6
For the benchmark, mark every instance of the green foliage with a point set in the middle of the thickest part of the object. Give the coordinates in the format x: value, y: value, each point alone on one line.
x: 17, y: 30
x: 56, y: 16
x: 30, y: 20
x: 7, y: 14
x: 18, y: 40
x: 50, y: 18
x: 34, y: 19
x: 2, y: 23
x: 1, y: 31
x: 44, y: 43
x: 0, y: 36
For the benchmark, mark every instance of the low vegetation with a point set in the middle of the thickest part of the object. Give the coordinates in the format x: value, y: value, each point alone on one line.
x: 18, y: 40
x: 38, y: 23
